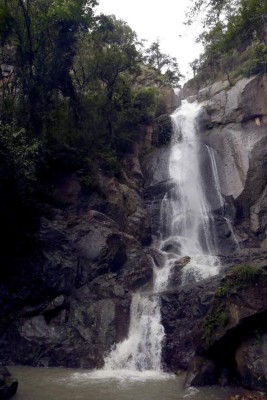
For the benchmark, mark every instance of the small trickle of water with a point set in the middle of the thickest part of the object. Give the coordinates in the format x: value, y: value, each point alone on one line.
x: 220, y: 197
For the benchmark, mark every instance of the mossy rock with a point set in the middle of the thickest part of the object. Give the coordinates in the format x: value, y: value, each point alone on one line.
x: 242, y: 294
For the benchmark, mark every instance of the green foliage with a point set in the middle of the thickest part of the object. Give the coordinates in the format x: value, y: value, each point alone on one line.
x: 6, y: 23
x: 244, y: 274
x: 105, y: 68
x: 166, y: 65
x: 252, y: 61
x: 43, y: 35
x: 212, y: 10
x: 216, y: 319
x: 234, y: 44
x: 18, y: 157
x: 237, y: 278
x: 75, y: 10
x: 88, y: 175
x: 71, y: 104
x: 104, y: 55
x: 145, y: 103
x: 109, y: 162
x: 220, y: 292
x: 162, y: 130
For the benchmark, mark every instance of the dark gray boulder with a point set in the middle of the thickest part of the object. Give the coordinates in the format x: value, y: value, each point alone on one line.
x: 251, y: 360
x: 8, y: 384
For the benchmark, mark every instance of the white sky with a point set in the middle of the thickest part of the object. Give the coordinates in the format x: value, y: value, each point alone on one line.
x: 152, y: 19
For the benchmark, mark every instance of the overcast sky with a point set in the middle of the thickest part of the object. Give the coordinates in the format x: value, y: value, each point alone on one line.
x: 163, y: 19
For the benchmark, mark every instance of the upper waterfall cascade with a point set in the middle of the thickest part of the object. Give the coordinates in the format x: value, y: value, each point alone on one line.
x: 187, y: 220
x: 187, y: 229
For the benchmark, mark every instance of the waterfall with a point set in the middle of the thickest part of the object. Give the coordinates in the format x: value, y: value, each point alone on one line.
x: 141, y: 351
x: 187, y: 228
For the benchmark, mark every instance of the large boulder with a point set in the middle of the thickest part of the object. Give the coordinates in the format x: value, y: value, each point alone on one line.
x: 180, y: 310
x: 201, y: 372
x: 8, y: 384
x: 232, y: 332
x: 251, y: 360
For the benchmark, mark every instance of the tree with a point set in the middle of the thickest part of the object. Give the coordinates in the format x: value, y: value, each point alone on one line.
x: 212, y: 11
x: 115, y: 51
x: 234, y: 37
x: 105, y: 58
x: 44, y: 35
x: 166, y: 65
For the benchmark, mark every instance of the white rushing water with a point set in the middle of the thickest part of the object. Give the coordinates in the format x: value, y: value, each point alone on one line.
x: 142, y: 350
x: 187, y: 229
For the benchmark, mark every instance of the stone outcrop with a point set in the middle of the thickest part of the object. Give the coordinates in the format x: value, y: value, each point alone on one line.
x: 180, y: 310
x: 232, y: 336
x: 251, y: 363
x: 230, y: 341
x: 69, y: 300
x: 234, y: 122
x: 66, y: 298
x: 8, y: 384
x: 233, y: 126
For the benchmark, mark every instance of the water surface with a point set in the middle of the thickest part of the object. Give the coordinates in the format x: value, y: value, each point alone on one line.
x: 69, y: 384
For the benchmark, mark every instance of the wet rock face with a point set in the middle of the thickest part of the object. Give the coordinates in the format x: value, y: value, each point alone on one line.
x: 175, y: 278
x: 234, y: 121
x: 73, y: 304
x: 156, y: 183
x: 180, y: 311
x: 202, y: 372
x: 233, y: 333
x: 233, y: 125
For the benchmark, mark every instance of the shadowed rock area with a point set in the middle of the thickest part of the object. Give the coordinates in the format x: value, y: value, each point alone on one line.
x: 67, y: 302
x: 8, y: 384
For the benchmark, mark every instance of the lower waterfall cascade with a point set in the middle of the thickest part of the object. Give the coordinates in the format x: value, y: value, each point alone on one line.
x: 187, y: 230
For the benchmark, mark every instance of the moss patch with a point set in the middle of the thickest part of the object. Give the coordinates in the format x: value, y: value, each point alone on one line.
x: 217, y: 318
x: 238, y: 277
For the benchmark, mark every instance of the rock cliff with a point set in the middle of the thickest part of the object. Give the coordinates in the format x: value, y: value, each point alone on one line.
x: 230, y: 342
x: 68, y: 300
x: 234, y: 125
x: 229, y: 309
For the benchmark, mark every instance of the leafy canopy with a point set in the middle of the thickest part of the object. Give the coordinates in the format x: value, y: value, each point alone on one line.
x: 163, y: 63
x: 233, y: 37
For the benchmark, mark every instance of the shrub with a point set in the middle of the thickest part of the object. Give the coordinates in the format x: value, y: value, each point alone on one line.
x: 162, y: 130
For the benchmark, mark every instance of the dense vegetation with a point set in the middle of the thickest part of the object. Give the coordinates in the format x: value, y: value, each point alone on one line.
x: 70, y: 100
x: 234, y: 39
